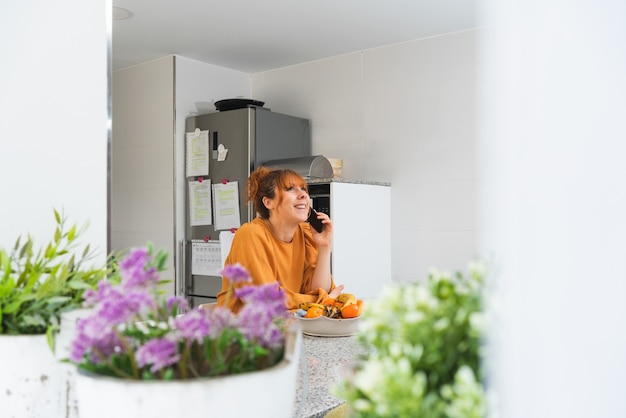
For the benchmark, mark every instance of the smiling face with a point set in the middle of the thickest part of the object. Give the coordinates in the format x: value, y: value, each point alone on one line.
x: 294, y: 204
x: 291, y: 198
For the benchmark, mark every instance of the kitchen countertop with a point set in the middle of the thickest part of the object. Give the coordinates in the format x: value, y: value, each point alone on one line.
x: 342, y: 180
x: 323, y: 361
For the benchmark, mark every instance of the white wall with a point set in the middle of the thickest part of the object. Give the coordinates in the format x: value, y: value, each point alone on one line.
x: 406, y: 114
x: 554, y: 206
x: 53, y: 118
x: 142, y: 172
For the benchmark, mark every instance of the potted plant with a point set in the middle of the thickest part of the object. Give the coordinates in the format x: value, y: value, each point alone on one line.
x: 424, y: 356
x: 37, y: 286
x: 153, y: 361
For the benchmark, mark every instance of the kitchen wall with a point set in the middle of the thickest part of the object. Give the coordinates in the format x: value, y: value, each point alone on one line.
x: 53, y: 119
x: 404, y: 114
x: 142, y: 170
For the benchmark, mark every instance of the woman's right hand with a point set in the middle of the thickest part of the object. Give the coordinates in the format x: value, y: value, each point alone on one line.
x: 336, y: 291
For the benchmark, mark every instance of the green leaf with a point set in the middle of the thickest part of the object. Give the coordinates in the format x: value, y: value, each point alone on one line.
x: 25, y: 247
x: 58, y: 300
x: 79, y: 285
x: 50, y: 250
x: 71, y: 233
x: 35, y: 320
x: 14, y: 306
x: 50, y: 332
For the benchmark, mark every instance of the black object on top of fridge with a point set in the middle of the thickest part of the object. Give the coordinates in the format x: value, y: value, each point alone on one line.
x: 251, y: 136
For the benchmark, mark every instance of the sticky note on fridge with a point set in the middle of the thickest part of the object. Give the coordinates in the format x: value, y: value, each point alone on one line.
x: 226, y: 205
x: 200, y: 209
x: 197, y: 153
x: 226, y: 241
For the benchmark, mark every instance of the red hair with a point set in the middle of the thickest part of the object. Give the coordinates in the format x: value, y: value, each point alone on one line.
x: 271, y: 183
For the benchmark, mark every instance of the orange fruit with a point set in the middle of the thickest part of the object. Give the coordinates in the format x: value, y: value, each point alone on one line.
x: 351, y: 311
x: 329, y: 301
x: 314, y: 312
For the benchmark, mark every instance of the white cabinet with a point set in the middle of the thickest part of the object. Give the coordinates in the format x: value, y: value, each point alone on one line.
x: 361, y: 214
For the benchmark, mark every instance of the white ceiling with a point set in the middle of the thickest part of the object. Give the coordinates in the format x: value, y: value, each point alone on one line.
x: 254, y: 35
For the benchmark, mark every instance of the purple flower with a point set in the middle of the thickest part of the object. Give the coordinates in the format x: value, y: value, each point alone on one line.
x: 136, y: 257
x: 178, y: 302
x: 112, y: 307
x: 258, y: 324
x: 236, y: 273
x: 220, y: 319
x: 117, y: 307
x: 135, y: 269
x: 158, y: 352
x: 270, y: 296
x: 139, y: 302
x: 264, y: 304
x: 92, y: 297
x: 193, y: 325
x: 96, y: 337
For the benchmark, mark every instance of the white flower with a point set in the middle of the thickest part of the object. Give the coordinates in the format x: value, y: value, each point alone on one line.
x: 413, y: 317
x: 477, y: 321
x: 465, y: 376
x: 395, y: 349
x: 362, y: 405
x: 441, y: 324
x: 367, y: 379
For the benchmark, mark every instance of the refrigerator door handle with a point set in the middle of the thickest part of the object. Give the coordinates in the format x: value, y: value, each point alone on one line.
x: 182, y: 268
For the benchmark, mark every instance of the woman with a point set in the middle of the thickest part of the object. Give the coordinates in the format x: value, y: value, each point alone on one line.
x: 278, y: 245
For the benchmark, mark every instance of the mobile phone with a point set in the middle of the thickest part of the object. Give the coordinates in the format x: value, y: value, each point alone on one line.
x: 315, y: 223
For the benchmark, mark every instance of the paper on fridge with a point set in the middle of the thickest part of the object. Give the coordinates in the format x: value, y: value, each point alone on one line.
x: 200, y: 203
x: 226, y: 239
x: 226, y: 205
x: 206, y: 258
x: 197, y: 144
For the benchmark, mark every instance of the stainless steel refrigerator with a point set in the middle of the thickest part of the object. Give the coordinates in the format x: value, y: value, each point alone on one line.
x: 252, y: 136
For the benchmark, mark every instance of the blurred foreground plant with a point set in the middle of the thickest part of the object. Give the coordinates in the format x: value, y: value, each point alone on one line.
x: 426, y: 357
x: 38, y: 284
x: 135, y: 333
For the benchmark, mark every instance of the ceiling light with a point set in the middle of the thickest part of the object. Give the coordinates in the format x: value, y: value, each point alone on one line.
x: 119, y: 13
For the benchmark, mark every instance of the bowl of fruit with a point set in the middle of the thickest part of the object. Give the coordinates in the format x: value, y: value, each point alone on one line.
x: 335, y: 317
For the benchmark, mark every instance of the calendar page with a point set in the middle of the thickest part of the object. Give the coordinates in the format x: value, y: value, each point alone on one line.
x: 206, y: 258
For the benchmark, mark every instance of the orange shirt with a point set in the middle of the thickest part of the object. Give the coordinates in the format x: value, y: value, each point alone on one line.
x: 270, y: 260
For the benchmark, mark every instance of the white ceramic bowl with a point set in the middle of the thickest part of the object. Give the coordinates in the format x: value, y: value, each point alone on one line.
x: 323, y: 326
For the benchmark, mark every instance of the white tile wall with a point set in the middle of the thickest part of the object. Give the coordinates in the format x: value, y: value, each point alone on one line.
x: 142, y: 172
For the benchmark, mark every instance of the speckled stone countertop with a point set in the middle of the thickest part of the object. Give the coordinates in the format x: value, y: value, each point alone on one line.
x: 323, y: 361
x: 342, y: 180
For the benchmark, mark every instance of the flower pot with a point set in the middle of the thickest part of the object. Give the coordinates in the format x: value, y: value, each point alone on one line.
x: 62, y: 347
x: 267, y: 393
x: 30, y: 378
